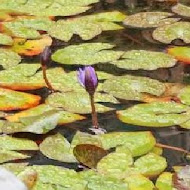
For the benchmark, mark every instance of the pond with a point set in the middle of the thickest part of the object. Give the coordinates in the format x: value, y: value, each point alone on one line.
x: 94, y: 94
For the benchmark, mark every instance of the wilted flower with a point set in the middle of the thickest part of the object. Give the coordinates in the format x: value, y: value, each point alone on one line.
x: 88, y: 79
x: 46, y: 56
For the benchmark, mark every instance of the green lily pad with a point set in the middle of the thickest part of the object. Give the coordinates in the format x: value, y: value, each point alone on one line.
x: 15, y: 168
x: 9, y: 58
x: 58, y: 148
x: 164, y: 181
x: 27, y: 27
x: 39, y: 124
x: 11, y: 143
x: 181, y: 10
x: 180, y: 53
x: 8, y: 155
x: 71, y: 179
x: 156, y: 114
x: 149, y: 19
x: 184, y: 95
x: 140, y: 182
x: 85, y: 138
x: 5, y: 39
x: 179, y: 30
x: 115, y: 163
x: 78, y: 102
x: 77, y: 2
x: 89, y: 154
x: 138, y: 143
x: 13, y: 100
x: 132, y: 87
x: 147, y: 60
x: 86, y: 54
x: 65, y: 29
x: 150, y: 165
x: 46, y: 8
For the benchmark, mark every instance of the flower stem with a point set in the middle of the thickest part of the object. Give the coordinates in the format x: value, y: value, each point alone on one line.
x: 93, y: 113
x: 172, y: 148
x: 44, y: 68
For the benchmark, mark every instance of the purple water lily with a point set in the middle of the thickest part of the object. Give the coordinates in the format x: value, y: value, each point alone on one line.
x: 88, y: 79
x: 45, y: 57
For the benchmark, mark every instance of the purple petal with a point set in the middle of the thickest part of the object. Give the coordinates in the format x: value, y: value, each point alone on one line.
x: 81, y: 77
x: 91, y: 74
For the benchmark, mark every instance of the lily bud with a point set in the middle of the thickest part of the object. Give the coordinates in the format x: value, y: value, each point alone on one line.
x: 88, y: 79
x: 46, y: 56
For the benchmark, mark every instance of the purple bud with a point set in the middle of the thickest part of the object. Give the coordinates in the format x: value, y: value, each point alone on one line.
x: 88, y: 79
x: 46, y: 56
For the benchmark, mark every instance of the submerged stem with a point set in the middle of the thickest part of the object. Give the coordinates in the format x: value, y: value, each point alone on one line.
x: 44, y: 68
x: 172, y: 148
x: 94, y: 114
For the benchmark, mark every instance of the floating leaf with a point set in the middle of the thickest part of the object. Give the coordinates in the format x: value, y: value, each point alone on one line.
x: 147, y: 60
x: 8, y: 58
x: 5, y: 39
x: 31, y: 47
x: 179, y: 30
x: 65, y: 117
x: 58, y: 148
x: 21, y: 77
x: 89, y: 154
x: 180, y: 53
x: 8, y: 155
x: 164, y: 181
x: 85, y: 138
x: 140, y: 182
x: 15, y: 168
x: 13, y: 100
x: 65, y: 29
x: 71, y: 179
x: 11, y: 143
x: 183, y: 95
x: 181, y: 10
x: 86, y: 54
x: 150, y: 165
x: 39, y: 124
x: 156, y: 114
x: 27, y: 27
x: 45, y: 8
x: 132, y: 87
x: 115, y: 163
x: 149, y: 19
x: 78, y: 102
x: 138, y: 143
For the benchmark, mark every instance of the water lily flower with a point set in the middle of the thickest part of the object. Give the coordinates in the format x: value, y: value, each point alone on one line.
x: 9, y: 181
x: 45, y: 57
x: 88, y: 79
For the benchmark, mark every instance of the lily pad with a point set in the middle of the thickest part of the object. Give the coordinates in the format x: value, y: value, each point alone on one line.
x: 27, y: 27
x: 138, y: 143
x: 11, y: 143
x: 31, y: 47
x: 156, y: 114
x: 149, y: 19
x: 132, y: 87
x: 150, y: 165
x: 184, y: 95
x: 58, y: 148
x: 115, y: 163
x: 181, y: 10
x: 9, y: 58
x: 140, y: 182
x: 164, y: 181
x: 86, y: 54
x: 15, y: 168
x: 5, y: 39
x: 179, y: 30
x: 13, y: 100
x: 8, y: 155
x: 88, y: 154
x: 21, y: 77
x: 147, y: 60
x: 180, y: 53
x: 45, y: 8
x: 78, y: 102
